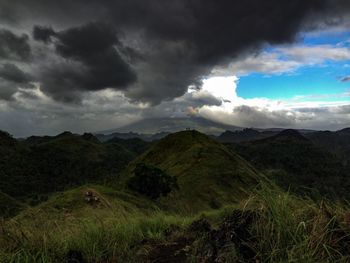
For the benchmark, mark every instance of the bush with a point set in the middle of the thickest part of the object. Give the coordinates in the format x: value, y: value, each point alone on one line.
x: 152, y: 181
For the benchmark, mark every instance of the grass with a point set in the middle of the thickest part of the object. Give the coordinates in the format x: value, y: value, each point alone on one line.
x: 9, y: 206
x: 208, y: 174
x: 287, y: 229
x: 107, y: 230
x: 291, y: 229
x: 96, y: 240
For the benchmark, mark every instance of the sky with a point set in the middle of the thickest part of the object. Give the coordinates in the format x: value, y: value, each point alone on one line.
x: 91, y: 65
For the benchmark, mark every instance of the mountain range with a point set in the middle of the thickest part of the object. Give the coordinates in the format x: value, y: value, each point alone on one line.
x: 167, y: 125
x: 180, y: 198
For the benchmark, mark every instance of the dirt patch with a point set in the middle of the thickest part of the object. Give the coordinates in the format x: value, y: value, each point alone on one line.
x: 232, y: 241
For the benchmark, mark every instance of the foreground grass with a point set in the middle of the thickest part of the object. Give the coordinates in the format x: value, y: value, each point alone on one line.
x: 286, y: 229
x: 292, y: 229
x: 96, y: 240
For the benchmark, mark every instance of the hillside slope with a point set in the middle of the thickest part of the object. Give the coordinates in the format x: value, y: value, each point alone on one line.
x: 9, y: 206
x: 208, y: 174
x: 337, y: 142
x: 33, y: 169
x: 244, y: 135
x: 296, y: 162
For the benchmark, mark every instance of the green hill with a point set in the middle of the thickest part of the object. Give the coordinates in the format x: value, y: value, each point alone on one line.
x: 244, y: 135
x: 336, y: 142
x: 268, y: 226
x: 33, y: 169
x: 297, y: 163
x: 223, y: 210
x: 135, y: 145
x: 208, y: 174
x: 87, y: 202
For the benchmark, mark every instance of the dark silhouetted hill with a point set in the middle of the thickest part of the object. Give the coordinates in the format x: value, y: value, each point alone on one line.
x: 295, y: 161
x: 336, y: 142
x: 244, y: 135
x: 135, y: 145
x: 32, y: 169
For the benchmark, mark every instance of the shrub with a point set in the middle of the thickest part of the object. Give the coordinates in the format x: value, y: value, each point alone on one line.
x: 152, y: 181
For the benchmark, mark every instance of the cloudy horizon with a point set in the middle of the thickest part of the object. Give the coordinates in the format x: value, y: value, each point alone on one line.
x: 99, y: 65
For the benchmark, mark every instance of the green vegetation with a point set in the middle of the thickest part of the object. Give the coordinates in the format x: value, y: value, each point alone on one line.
x: 33, y: 169
x: 134, y: 145
x: 223, y: 209
x: 9, y: 206
x: 151, y: 181
x: 269, y: 226
x: 296, y: 163
x: 208, y: 174
x: 336, y: 142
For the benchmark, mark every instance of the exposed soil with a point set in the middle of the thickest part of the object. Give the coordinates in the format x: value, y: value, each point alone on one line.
x: 232, y: 241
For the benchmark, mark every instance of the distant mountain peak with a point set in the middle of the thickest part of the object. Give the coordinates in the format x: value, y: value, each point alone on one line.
x: 90, y: 137
x: 246, y: 134
x: 64, y: 134
x: 165, y: 125
x: 344, y: 131
x: 290, y: 134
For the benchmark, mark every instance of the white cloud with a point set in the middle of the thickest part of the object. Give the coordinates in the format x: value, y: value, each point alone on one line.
x: 311, y: 55
x: 284, y: 60
x: 298, y: 112
x: 32, y: 112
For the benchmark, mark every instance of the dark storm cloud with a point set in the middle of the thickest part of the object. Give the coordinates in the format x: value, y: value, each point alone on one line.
x: 8, y: 13
x: 12, y: 73
x: 179, y: 41
x: 196, y: 35
x: 11, y: 79
x: 43, y: 33
x: 216, y: 30
x: 14, y: 47
x: 83, y: 42
x: 93, y: 61
x: 212, y: 29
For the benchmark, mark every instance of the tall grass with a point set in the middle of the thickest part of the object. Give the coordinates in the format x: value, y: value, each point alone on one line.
x: 291, y: 229
x: 287, y: 229
x: 97, y: 240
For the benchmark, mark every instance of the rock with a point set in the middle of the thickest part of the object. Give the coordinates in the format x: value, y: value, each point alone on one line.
x: 230, y: 242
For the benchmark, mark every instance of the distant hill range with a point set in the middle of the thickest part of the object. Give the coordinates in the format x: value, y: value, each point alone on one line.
x: 149, y: 130
x: 300, y: 162
x: 34, y: 168
x: 336, y: 142
x: 157, y: 128
x: 164, y: 126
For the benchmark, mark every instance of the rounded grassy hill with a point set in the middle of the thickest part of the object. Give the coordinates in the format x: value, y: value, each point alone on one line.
x: 208, y: 174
